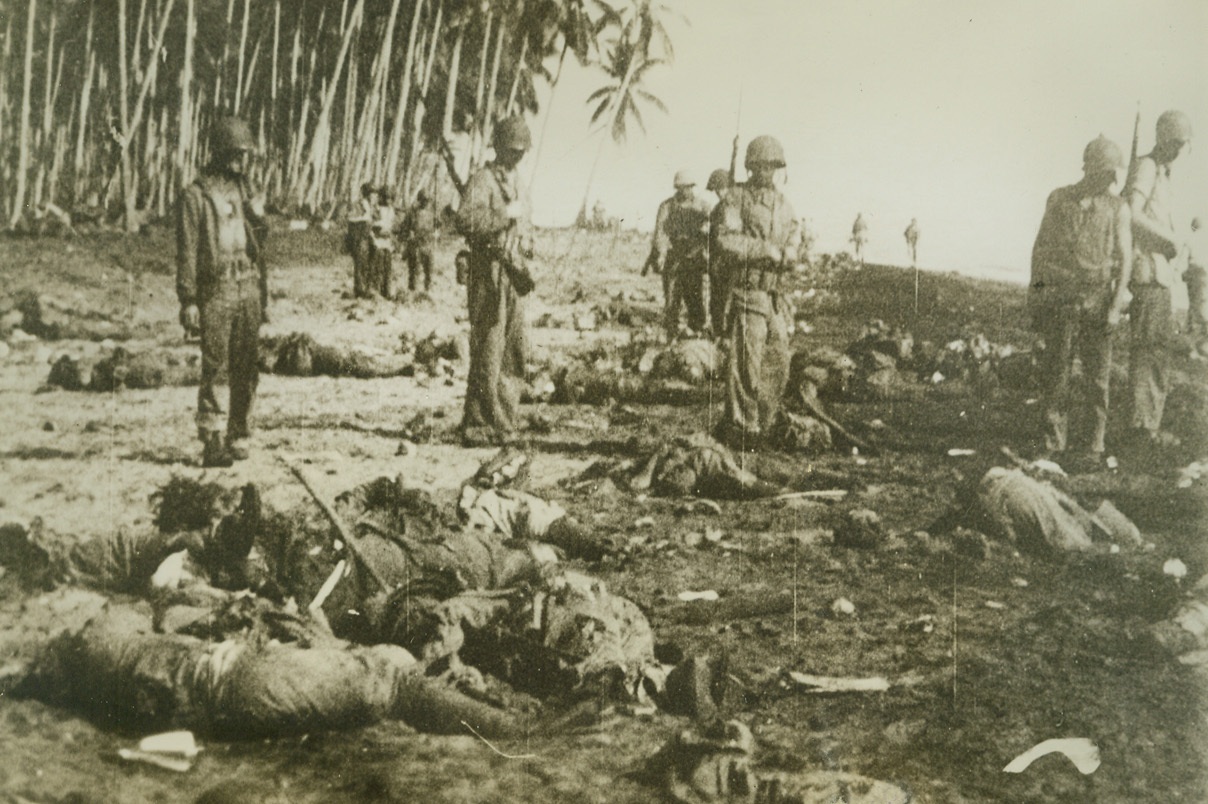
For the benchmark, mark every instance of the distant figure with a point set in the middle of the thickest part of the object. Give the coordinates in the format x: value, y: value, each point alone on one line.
x: 680, y: 251
x: 1195, y: 276
x: 599, y: 216
x: 358, y: 241
x: 381, y: 252
x: 757, y: 240
x: 719, y: 184
x: 1151, y: 315
x: 222, y: 285
x: 1081, y: 263
x: 419, y: 237
x: 912, y: 240
x: 496, y: 219
x: 859, y: 236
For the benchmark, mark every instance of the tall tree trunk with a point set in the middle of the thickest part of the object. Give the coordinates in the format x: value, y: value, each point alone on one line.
x: 23, y: 135
x: 421, y: 106
x: 487, y: 122
x: 451, y: 90
x: 239, y: 85
x: 479, y: 89
x: 185, y: 133
x: 400, y: 110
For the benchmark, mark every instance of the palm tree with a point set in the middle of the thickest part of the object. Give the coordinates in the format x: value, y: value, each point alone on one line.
x: 631, y: 55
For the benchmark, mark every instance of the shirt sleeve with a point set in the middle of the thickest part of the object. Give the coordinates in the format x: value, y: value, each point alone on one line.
x: 1046, y: 249
x: 188, y: 229
x: 662, y: 240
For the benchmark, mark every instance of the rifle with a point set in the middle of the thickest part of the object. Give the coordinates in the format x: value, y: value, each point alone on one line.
x: 1132, y: 156
x: 734, y: 145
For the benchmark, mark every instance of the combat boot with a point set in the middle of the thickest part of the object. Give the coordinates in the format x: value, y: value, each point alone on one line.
x: 237, y: 449
x: 214, y: 452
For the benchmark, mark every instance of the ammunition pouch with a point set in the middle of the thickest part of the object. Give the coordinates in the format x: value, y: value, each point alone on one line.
x: 765, y: 277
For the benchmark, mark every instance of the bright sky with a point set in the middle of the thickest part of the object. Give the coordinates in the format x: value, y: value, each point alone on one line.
x: 962, y: 113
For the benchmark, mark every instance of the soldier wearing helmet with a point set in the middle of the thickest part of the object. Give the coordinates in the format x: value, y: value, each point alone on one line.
x: 419, y: 238
x: 1081, y: 263
x: 1196, y: 276
x: 495, y: 217
x: 222, y: 285
x: 381, y: 245
x: 757, y: 240
x: 859, y: 236
x: 680, y: 252
x: 1156, y: 244
x: 912, y: 240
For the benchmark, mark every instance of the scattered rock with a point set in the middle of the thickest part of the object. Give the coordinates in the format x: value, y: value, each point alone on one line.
x: 861, y: 529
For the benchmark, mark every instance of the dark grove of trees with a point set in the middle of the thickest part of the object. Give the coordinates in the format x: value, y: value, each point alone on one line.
x: 105, y: 103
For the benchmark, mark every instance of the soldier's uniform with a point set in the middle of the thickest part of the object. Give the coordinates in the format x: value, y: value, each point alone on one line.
x: 419, y: 234
x: 381, y: 246
x: 499, y: 249
x: 757, y: 242
x: 358, y: 239
x: 1151, y: 314
x: 912, y: 240
x: 681, y: 241
x: 859, y: 236
x: 1077, y: 260
x: 719, y: 183
x: 219, y: 235
x: 1196, y: 276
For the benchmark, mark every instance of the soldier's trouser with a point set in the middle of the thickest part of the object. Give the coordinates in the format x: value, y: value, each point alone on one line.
x: 1071, y: 332
x: 419, y: 261
x: 684, y: 285
x: 718, y: 294
x: 498, y: 350
x: 230, y: 343
x: 758, y: 360
x: 382, y: 281
x: 1151, y: 320
x: 361, y: 269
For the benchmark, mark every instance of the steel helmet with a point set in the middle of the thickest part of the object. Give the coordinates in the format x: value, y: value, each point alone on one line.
x: 1173, y: 125
x: 512, y: 133
x: 1102, y: 155
x: 765, y: 150
x: 230, y: 134
x: 684, y: 178
x: 718, y: 180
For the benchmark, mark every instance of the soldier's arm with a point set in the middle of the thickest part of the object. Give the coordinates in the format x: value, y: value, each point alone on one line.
x: 792, y: 243
x: 1045, y: 249
x: 483, y: 211
x: 188, y: 231
x: 1145, y: 227
x: 1124, y: 253
x: 662, y: 240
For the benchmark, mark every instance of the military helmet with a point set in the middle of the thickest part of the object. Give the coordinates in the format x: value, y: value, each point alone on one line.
x: 1173, y: 126
x: 684, y: 178
x: 385, y: 194
x: 1102, y: 155
x: 765, y: 150
x: 718, y: 180
x: 512, y: 133
x: 230, y: 134
x: 367, y: 188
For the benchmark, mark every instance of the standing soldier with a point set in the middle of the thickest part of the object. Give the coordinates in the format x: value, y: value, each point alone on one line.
x: 1196, y: 276
x: 1156, y: 244
x: 495, y: 218
x: 719, y: 183
x: 419, y: 235
x: 681, y: 239
x: 357, y: 241
x: 912, y: 240
x: 757, y: 241
x: 1081, y: 263
x: 381, y: 251
x: 222, y: 284
x: 859, y: 236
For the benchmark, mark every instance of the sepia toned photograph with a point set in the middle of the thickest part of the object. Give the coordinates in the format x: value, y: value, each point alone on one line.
x: 542, y: 401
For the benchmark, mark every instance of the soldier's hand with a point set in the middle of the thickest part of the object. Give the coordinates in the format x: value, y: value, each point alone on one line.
x: 1114, y: 314
x: 1171, y: 251
x: 190, y: 319
x: 774, y: 252
x: 514, y: 210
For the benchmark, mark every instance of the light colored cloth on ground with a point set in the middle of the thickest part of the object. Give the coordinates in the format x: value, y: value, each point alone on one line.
x: 1030, y: 514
